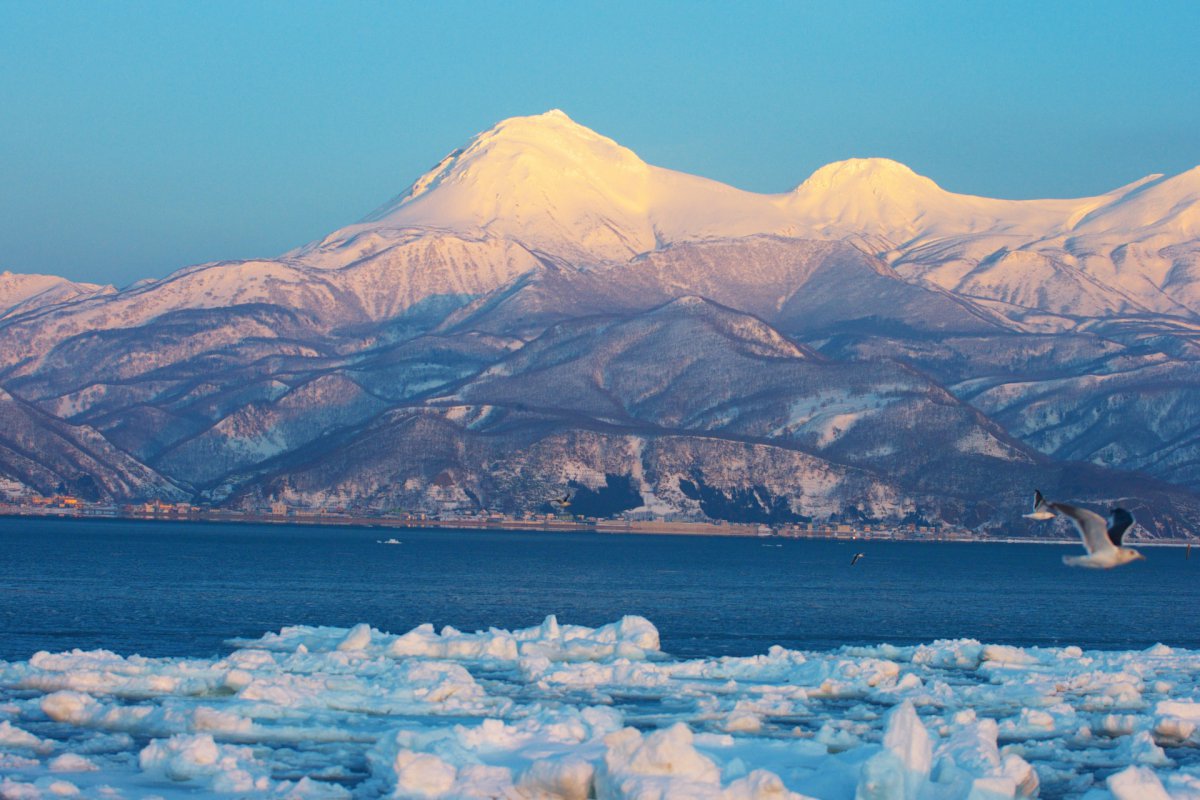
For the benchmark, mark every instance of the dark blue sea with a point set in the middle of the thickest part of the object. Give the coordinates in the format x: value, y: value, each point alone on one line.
x: 182, y: 589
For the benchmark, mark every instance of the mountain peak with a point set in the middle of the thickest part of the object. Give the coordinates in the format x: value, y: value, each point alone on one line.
x: 880, y: 174
x: 546, y: 147
x: 555, y: 118
x: 1167, y: 205
x: 550, y: 129
x: 542, y: 179
x: 870, y: 196
x: 553, y: 115
x: 556, y: 186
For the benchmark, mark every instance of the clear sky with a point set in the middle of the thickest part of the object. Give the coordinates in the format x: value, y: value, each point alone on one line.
x: 136, y: 138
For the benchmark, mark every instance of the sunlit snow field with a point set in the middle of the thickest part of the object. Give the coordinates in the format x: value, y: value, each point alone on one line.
x: 179, y: 660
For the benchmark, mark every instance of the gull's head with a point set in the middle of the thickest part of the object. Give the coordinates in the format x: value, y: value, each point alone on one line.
x: 1128, y: 554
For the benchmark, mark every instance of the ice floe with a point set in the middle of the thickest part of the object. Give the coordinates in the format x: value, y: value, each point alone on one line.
x: 567, y: 711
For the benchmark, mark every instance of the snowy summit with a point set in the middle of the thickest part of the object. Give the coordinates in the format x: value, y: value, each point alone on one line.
x: 556, y: 185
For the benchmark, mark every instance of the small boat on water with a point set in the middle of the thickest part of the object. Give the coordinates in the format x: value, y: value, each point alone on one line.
x: 388, y: 541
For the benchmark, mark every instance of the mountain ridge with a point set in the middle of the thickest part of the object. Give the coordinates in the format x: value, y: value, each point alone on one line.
x: 519, y: 148
x: 544, y: 307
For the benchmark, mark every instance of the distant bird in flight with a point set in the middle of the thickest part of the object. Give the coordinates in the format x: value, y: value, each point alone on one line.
x: 857, y: 556
x: 562, y: 502
x: 1041, y: 508
x: 1101, y: 537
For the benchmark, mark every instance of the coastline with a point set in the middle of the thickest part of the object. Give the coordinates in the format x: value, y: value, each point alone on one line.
x: 555, y: 524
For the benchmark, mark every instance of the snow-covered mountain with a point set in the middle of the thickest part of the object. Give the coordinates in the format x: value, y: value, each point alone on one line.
x: 559, y: 187
x: 544, y: 307
x: 23, y: 293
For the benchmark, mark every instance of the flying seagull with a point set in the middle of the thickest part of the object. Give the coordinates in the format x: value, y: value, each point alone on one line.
x: 857, y: 556
x: 1040, y: 508
x: 562, y: 502
x: 1101, y: 537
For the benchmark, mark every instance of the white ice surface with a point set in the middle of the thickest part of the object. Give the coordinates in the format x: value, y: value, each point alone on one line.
x: 566, y: 711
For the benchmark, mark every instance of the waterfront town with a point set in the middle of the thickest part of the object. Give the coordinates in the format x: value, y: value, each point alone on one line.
x: 68, y: 506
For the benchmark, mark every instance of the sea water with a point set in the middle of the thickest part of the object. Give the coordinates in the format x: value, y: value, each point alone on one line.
x: 184, y: 588
x: 181, y: 660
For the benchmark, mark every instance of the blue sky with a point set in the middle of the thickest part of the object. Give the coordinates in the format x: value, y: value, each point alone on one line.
x: 136, y: 138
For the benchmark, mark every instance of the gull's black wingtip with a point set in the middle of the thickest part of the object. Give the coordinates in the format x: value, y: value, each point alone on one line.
x: 1041, y: 509
x: 1119, y: 521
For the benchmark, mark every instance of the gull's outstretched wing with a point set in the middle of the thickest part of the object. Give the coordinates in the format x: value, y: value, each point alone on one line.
x: 1092, y: 527
x: 1040, y: 508
x: 1119, y: 522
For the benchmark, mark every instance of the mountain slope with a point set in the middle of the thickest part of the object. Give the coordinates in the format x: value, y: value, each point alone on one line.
x: 795, y: 284
x: 49, y: 455
x: 732, y: 374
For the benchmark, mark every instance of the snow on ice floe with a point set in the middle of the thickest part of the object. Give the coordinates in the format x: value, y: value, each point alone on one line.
x: 567, y: 711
